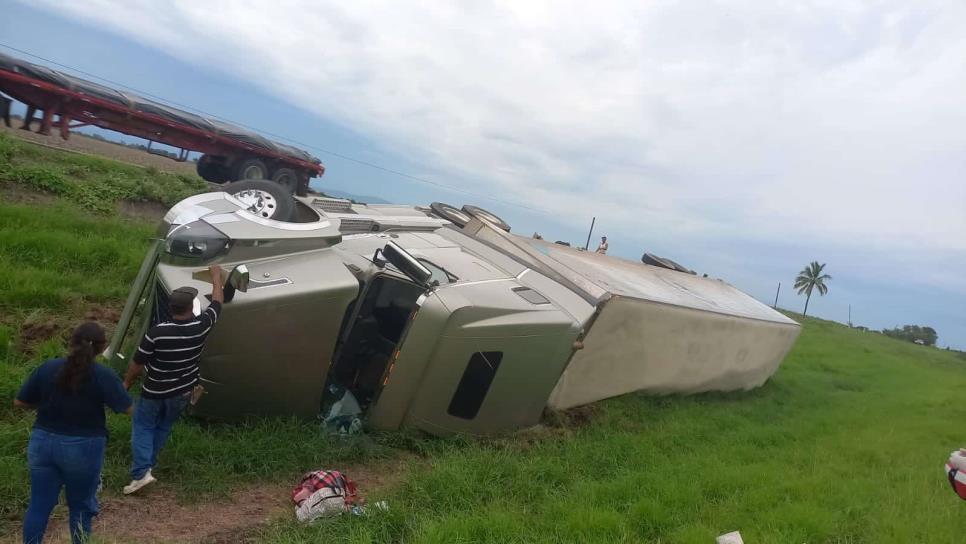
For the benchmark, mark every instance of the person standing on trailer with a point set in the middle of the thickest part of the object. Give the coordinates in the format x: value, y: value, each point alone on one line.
x: 602, y: 248
x: 169, y: 352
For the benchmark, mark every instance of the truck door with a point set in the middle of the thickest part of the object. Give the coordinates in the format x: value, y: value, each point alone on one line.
x: 371, y: 339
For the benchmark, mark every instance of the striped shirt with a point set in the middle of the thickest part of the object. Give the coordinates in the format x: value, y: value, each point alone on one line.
x: 171, y: 350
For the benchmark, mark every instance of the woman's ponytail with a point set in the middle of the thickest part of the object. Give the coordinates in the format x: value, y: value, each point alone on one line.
x: 87, y: 340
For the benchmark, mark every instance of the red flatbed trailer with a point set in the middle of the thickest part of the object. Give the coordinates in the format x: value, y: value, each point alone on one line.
x: 230, y: 152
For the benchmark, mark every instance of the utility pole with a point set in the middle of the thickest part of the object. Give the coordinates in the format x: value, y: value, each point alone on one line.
x: 850, y: 316
x: 776, y: 295
x: 589, y: 234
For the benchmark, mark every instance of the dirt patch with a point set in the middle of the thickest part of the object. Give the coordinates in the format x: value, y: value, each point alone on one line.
x: 103, y: 314
x: 158, y: 516
x: 141, y: 211
x: 15, y: 194
x: 35, y: 333
x: 578, y: 416
x: 39, y: 327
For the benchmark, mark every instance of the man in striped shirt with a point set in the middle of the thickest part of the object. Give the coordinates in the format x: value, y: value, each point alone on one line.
x: 169, y: 354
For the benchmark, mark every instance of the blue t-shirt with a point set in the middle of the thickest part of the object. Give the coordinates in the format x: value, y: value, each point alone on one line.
x: 78, y: 413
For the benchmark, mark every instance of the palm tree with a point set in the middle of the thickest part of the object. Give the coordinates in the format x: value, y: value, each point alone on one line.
x: 809, y: 278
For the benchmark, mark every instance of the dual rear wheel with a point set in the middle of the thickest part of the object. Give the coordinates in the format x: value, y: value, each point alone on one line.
x: 272, y: 199
x: 214, y: 169
x: 460, y: 217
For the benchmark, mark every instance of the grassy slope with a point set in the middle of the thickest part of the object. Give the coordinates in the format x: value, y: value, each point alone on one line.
x: 59, y: 260
x: 845, y: 444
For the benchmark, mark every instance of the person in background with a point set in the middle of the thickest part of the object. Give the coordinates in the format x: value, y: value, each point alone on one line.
x: 68, y: 439
x: 602, y: 248
x: 170, y: 352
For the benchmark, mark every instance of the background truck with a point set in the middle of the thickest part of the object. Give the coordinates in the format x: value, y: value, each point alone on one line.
x: 230, y: 152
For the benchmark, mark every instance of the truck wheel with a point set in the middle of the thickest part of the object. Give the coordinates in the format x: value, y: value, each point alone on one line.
x: 654, y: 260
x: 263, y: 198
x: 210, y: 169
x: 476, y: 211
x: 250, y: 169
x: 286, y: 177
x: 450, y: 213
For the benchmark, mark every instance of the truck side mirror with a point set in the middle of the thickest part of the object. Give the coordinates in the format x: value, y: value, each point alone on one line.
x: 238, y: 278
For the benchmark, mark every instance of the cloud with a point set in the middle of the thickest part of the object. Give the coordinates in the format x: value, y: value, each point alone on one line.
x: 838, y: 122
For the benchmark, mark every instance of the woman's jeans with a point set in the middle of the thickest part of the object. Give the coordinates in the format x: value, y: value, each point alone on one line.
x: 71, y: 462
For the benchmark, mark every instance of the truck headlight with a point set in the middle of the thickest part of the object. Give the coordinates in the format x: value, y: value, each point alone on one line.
x: 197, y: 241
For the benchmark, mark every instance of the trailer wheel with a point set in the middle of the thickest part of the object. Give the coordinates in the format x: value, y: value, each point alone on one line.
x: 210, y: 169
x: 450, y: 213
x: 250, y: 169
x: 654, y: 260
x: 476, y: 211
x: 286, y: 177
x: 264, y: 198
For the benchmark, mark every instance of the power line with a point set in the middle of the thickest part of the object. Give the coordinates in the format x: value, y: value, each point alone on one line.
x: 278, y: 136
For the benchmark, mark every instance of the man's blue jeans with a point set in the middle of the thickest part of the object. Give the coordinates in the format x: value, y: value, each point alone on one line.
x: 56, y: 461
x: 150, y: 429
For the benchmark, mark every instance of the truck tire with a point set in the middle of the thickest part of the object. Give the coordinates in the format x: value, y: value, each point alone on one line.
x: 210, y: 169
x: 250, y: 169
x: 476, y: 211
x: 450, y: 213
x: 654, y: 260
x: 264, y: 198
x: 677, y: 266
x: 286, y: 177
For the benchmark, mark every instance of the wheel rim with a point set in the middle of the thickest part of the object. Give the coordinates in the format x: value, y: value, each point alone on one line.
x: 459, y: 214
x: 253, y: 172
x: 260, y: 203
x: 489, y: 217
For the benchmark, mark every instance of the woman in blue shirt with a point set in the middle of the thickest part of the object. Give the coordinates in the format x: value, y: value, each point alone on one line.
x: 69, y: 435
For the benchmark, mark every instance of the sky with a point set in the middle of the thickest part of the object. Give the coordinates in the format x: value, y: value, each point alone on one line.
x: 743, y: 139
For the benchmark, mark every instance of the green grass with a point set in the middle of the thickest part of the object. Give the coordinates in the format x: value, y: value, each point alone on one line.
x: 92, y: 183
x: 844, y: 445
x: 60, y: 260
x: 55, y: 263
x: 54, y: 256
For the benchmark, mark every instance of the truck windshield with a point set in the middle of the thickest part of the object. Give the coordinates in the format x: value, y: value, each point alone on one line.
x: 440, y: 275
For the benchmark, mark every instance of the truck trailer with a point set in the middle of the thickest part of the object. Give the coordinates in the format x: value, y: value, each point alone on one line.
x: 230, y: 152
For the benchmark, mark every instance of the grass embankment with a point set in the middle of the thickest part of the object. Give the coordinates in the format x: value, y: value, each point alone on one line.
x: 65, y: 260
x: 844, y: 444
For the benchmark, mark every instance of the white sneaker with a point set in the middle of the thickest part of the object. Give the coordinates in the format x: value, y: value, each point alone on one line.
x: 138, y: 484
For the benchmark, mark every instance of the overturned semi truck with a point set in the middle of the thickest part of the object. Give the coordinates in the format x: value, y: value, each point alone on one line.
x: 436, y: 318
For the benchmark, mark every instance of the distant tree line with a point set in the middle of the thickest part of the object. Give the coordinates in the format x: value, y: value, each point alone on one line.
x: 142, y: 147
x: 913, y: 333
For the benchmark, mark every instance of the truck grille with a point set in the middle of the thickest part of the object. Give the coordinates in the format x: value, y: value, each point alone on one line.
x: 333, y: 205
x: 356, y: 225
